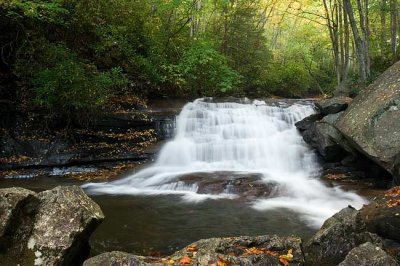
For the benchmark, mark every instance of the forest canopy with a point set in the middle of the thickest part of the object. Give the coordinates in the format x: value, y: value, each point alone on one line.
x: 66, y: 55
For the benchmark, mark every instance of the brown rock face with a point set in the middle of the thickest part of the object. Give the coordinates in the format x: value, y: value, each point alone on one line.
x: 48, y: 228
x: 372, y: 122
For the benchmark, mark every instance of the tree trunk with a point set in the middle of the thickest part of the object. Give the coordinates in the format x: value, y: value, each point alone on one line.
x: 394, y: 28
x: 358, y: 42
x: 383, y: 27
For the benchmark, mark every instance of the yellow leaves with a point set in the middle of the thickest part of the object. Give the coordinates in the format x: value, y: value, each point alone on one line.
x: 393, y: 203
x: 185, y: 261
x: 285, y: 259
x: 258, y: 251
x: 394, y: 194
x: 222, y: 261
x: 168, y: 261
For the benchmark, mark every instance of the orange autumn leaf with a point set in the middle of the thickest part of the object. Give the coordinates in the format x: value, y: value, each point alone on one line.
x: 222, y: 261
x: 284, y: 262
x: 285, y: 259
x: 271, y: 253
x: 185, y: 261
x: 258, y: 251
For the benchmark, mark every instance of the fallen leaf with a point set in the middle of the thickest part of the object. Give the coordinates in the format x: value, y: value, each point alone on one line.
x: 283, y: 262
x: 222, y: 261
x: 185, y: 261
x: 285, y: 259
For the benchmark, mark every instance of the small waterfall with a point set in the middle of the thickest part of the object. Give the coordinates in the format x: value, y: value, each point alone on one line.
x: 246, y: 138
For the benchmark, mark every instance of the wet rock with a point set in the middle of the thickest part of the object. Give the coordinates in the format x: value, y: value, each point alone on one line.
x: 249, y: 186
x: 244, y: 250
x: 372, y: 124
x: 327, y: 140
x: 117, y: 258
x: 337, y: 236
x: 260, y: 250
x: 333, y: 105
x: 308, y: 122
x: 368, y: 254
x: 49, y: 228
x: 382, y: 216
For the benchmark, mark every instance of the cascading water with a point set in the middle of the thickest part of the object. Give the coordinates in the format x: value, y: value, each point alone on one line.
x: 246, y: 138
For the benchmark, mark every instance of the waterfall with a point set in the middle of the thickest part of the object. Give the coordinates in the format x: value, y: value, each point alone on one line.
x: 249, y: 137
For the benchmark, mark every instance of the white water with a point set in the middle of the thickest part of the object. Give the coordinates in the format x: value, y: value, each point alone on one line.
x: 246, y: 138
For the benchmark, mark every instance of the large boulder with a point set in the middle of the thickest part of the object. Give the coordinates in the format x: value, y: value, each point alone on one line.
x: 368, y: 254
x: 372, y: 123
x: 48, y: 228
x: 337, y: 236
x: 333, y: 105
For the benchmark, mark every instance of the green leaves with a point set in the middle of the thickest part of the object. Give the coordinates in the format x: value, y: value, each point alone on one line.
x: 64, y: 84
x: 206, y: 71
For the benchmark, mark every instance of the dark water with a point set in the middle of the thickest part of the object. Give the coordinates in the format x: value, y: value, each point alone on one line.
x: 146, y: 224
x: 164, y: 223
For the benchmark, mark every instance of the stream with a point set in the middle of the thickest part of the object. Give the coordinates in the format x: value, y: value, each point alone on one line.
x: 232, y: 168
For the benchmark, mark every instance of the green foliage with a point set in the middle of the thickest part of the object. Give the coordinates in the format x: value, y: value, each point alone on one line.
x: 65, y: 85
x: 205, y: 72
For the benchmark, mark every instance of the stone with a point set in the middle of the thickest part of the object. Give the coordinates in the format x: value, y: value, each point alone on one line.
x: 232, y: 250
x: 327, y: 140
x: 338, y: 235
x: 371, y: 123
x: 14, y: 203
x: 333, y: 105
x: 368, y: 254
x: 48, y: 228
x: 382, y: 216
x: 308, y: 122
x: 117, y: 258
x: 244, y: 250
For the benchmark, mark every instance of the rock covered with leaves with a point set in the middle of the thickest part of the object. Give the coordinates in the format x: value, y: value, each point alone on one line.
x: 47, y: 228
x: 244, y: 250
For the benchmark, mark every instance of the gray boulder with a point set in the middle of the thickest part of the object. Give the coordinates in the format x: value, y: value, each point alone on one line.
x: 326, y: 139
x: 246, y: 251
x: 372, y: 124
x: 117, y: 258
x: 368, y: 254
x: 308, y: 122
x: 48, y: 228
x: 333, y: 105
x: 337, y: 236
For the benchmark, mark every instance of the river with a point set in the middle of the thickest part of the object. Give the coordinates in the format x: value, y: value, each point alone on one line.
x: 232, y: 168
